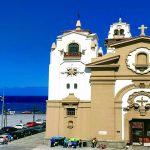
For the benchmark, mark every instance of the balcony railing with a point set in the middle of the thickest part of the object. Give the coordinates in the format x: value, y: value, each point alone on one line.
x: 76, y: 55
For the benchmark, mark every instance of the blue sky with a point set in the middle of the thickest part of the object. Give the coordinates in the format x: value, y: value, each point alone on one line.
x: 28, y: 28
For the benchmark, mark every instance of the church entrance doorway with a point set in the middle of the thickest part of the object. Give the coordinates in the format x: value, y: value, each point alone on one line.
x: 140, y: 132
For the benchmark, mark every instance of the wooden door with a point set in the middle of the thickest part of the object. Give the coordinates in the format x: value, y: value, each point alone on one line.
x: 137, y: 132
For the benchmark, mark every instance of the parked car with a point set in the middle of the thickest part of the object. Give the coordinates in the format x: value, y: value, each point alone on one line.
x: 32, y: 130
x: 27, y: 131
x: 8, y: 129
x: 17, y: 134
x: 31, y: 124
x: 20, y: 126
x: 39, y: 121
x: 39, y: 128
x: 3, y: 140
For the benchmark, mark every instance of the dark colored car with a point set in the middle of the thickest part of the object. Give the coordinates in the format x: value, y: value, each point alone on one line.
x: 17, y: 134
x: 27, y: 131
x: 8, y: 129
x: 39, y: 128
x: 32, y: 130
x: 1, y: 132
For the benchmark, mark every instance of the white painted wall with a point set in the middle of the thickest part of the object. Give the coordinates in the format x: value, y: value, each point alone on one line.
x: 120, y: 84
x: 121, y: 25
x: 82, y: 79
x: 58, y: 79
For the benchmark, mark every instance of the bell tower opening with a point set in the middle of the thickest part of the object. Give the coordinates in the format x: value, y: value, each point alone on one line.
x: 118, y: 31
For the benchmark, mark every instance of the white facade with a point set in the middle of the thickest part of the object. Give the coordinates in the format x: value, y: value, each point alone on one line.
x: 118, y: 30
x: 71, y: 70
x: 88, y: 46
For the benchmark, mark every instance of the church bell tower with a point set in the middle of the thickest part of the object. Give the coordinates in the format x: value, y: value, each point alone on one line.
x: 118, y: 31
x: 69, y: 82
x: 67, y: 71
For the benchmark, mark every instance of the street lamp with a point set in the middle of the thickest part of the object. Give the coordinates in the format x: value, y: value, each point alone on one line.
x: 2, y: 99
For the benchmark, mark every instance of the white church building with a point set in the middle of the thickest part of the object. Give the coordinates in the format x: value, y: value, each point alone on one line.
x: 95, y: 95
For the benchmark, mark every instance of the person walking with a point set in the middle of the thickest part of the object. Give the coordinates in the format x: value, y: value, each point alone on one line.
x: 94, y: 142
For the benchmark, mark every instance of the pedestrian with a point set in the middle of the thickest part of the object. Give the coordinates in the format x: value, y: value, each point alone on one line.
x: 80, y: 143
x: 52, y: 142
x: 65, y: 145
x: 94, y: 142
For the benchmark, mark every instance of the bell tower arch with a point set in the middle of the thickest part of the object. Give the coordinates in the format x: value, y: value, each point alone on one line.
x: 118, y: 31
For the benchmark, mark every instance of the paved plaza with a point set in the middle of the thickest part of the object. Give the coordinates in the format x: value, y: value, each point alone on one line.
x: 37, y: 142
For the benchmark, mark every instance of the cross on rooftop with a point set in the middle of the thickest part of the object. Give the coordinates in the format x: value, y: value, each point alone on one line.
x: 142, y: 101
x: 142, y: 28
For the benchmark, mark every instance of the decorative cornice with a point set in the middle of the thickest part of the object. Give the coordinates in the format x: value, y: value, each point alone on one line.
x: 131, y: 40
x: 104, y: 66
x: 106, y: 61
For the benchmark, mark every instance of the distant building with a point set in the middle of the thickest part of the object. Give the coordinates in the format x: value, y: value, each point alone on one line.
x: 95, y: 95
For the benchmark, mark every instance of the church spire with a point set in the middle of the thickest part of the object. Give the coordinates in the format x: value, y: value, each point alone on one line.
x: 78, y: 25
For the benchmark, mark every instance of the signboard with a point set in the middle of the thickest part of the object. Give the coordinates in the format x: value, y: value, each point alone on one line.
x: 102, y: 132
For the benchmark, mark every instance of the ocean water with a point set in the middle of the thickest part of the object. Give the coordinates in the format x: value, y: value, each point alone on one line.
x: 24, y: 103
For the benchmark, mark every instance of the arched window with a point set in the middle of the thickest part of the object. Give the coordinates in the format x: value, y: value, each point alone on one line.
x: 121, y: 32
x: 142, y: 59
x: 116, y: 32
x: 73, y: 48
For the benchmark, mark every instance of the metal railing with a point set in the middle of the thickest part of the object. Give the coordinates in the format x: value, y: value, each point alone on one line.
x: 72, y: 54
